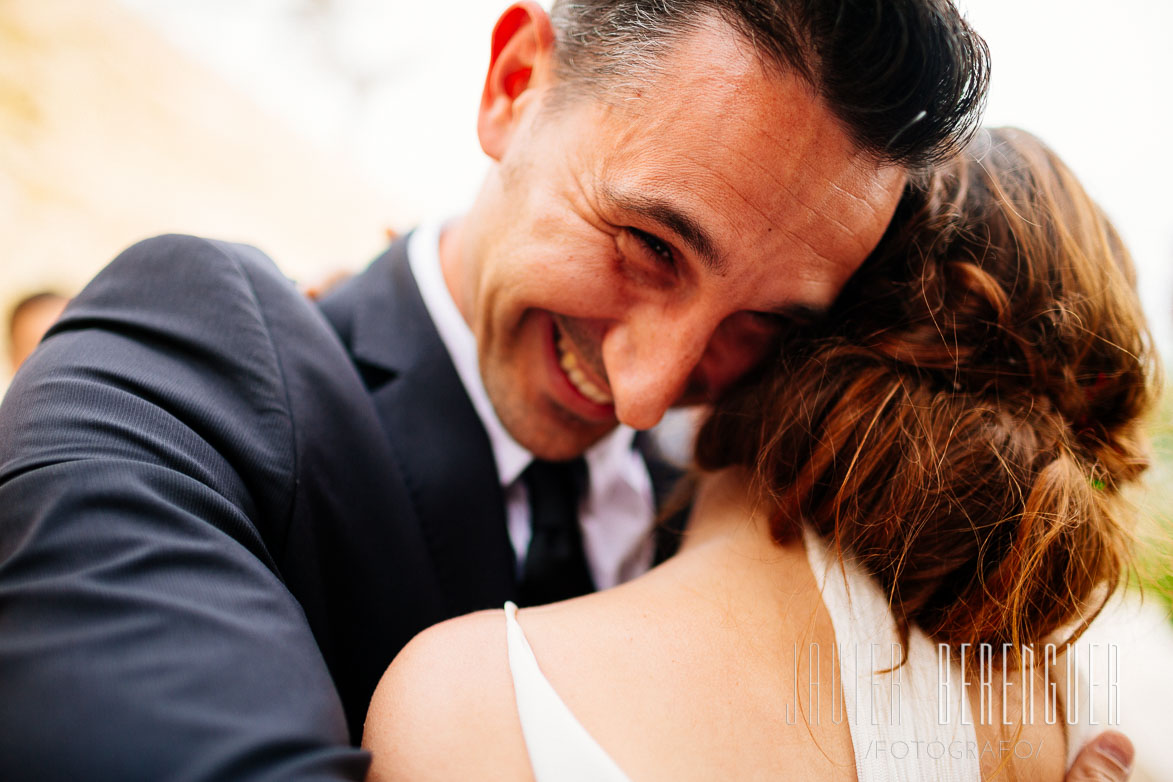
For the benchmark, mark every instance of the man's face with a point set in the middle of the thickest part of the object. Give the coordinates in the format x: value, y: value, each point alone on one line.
x: 630, y: 255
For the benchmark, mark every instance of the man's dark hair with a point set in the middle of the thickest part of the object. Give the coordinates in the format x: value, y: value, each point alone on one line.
x: 907, y: 78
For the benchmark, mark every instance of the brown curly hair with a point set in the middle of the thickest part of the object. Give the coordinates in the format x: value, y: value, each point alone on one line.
x: 964, y: 419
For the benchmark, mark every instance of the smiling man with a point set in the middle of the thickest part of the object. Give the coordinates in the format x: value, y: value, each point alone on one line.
x: 637, y: 249
x: 223, y: 509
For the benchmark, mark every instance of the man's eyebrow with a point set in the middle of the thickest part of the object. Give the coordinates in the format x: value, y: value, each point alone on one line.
x: 674, y: 219
x: 801, y: 314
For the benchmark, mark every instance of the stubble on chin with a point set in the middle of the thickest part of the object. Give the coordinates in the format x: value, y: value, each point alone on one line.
x: 543, y: 427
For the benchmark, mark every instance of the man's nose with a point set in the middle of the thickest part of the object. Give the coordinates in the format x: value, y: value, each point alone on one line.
x: 650, y: 361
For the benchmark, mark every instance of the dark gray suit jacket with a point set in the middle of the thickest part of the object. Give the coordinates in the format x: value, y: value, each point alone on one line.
x: 222, y: 513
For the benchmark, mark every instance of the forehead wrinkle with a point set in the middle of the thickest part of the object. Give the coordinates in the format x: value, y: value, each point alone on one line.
x: 830, y: 217
x: 795, y: 237
x: 805, y: 164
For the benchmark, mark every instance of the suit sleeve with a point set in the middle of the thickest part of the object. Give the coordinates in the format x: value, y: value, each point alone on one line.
x: 147, y: 470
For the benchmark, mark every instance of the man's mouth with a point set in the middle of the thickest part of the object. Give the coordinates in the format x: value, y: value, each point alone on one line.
x: 572, y: 366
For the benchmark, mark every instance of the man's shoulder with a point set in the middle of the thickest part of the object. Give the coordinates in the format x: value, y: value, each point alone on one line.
x: 152, y: 476
x: 182, y: 273
x: 216, y: 302
x: 192, y: 340
x: 178, y: 255
x: 185, y: 253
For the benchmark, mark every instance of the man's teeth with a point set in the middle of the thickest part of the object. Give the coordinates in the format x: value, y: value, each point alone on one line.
x: 569, y: 361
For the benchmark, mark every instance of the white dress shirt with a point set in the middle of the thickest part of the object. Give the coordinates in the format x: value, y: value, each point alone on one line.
x: 616, y: 515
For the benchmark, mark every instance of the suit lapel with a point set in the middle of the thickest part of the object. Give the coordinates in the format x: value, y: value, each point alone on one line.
x: 435, y: 434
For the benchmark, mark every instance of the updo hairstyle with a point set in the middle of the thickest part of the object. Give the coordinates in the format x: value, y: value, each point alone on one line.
x: 963, y: 421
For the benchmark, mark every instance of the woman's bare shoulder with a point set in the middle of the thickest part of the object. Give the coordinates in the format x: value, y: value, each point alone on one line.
x: 449, y: 677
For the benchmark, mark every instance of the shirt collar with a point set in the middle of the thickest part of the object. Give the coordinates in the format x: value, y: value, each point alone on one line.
x: 423, y: 253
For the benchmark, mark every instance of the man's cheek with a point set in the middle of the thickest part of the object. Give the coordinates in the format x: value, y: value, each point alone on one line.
x: 733, y: 354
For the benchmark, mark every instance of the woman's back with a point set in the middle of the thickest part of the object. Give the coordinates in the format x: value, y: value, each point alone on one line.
x: 716, y: 665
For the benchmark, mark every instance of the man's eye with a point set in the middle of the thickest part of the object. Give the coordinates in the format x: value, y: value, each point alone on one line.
x: 769, y: 320
x: 767, y: 323
x: 655, y: 245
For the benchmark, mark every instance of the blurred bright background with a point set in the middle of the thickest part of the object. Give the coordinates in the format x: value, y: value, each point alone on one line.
x: 311, y: 127
x: 308, y: 126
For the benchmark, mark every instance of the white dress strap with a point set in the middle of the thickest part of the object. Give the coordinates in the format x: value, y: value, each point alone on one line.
x: 560, y: 749
x: 899, y: 728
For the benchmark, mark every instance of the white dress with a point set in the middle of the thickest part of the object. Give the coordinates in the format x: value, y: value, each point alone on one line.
x: 916, y: 742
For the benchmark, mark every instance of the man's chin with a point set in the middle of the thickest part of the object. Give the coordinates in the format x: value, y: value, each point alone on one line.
x: 543, y: 426
x: 558, y: 442
x: 561, y: 450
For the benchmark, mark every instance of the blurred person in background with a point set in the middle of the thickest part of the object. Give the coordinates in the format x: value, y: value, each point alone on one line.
x: 224, y: 508
x: 31, y: 317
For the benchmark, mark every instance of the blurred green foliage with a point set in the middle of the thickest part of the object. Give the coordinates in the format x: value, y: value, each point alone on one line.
x: 1153, y: 563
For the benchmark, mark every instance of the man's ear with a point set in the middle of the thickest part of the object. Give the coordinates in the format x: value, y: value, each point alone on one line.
x: 523, y: 41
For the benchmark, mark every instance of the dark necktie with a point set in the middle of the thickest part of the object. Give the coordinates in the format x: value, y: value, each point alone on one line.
x: 555, y: 564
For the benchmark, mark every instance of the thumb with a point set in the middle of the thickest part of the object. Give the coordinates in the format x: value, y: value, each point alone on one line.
x: 1106, y: 758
